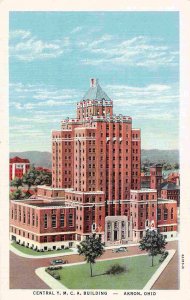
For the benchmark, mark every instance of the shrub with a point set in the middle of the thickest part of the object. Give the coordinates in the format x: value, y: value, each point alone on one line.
x: 116, y: 269
x: 163, y: 256
x: 53, y: 274
x: 56, y: 276
x: 54, y: 268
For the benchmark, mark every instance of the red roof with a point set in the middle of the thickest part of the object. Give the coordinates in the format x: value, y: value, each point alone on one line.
x: 17, y: 159
x: 43, y: 169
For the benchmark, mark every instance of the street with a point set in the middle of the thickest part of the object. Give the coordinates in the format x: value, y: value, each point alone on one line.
x: 22, y: 270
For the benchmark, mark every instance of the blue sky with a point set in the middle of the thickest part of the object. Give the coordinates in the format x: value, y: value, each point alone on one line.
x: 53, y: 55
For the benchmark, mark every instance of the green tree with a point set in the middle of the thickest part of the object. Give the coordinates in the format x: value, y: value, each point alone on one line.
x: 176, y: 166
x: 91, y: 249
x: 16, y: 195
x: 16, y: 182
x: 154, y: 243
x: 42, y: 178
x: 30, y: 177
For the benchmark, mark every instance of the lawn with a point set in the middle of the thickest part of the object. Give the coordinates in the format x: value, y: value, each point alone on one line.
x: 138, y: 274
x: 35, y: 253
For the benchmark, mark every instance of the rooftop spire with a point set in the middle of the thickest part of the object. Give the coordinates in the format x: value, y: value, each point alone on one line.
x: 95, y: 92
x: 93, y: 82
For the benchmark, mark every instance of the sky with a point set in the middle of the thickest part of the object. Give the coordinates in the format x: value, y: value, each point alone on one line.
x: 53, y: 55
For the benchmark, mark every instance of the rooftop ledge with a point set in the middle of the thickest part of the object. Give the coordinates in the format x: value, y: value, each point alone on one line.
x: 84, y: 193
x: 98, y: 118
x: 144, y: 191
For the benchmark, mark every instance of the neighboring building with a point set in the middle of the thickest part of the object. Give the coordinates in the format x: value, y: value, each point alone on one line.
x: 145, y: 180
x: 167, y: 217
x: 156, y: 177
x: 42, y: 169
x: 152, y: 179
x: 170, y: 191
x: 174, y: 177
x: 96, y: 183
x: 18, y: 167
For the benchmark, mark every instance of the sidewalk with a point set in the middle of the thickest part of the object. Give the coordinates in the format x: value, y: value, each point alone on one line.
x: 74, y: 250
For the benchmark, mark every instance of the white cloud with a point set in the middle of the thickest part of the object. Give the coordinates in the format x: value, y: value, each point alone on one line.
x: 139, y: 51
x: 125, y: 95
x: 25, y: 47
x: 77, y: 29
x: 40, y: 95
x: 22, y: 34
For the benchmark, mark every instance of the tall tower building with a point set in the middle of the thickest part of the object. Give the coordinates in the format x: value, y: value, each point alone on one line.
x: 97, y: 154
x: 96, y: 161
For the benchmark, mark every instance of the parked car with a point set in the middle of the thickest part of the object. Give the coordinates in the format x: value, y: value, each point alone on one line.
x: 120, y: 249
x: 58, y: 262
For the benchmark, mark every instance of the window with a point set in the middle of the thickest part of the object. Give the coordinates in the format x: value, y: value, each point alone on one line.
x: 159, y: 214
x: 172, y: 213
x: 165, y: 214
x: 53, y: 221
x: 28, y: 217
x: 33, y: 218
x: 70, y: 220
x: 62, y: 220
x: 24, y: 217
x: 45, y: 221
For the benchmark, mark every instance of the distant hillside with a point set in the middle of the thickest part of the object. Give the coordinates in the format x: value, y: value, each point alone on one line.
x: 158, y: 156
x: 42, y: 159
x: 154, y: 156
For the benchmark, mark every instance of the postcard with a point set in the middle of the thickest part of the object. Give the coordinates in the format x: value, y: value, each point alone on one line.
x: 94, y: 145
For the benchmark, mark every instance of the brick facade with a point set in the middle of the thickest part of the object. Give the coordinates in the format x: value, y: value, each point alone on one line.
x: 96, y: 183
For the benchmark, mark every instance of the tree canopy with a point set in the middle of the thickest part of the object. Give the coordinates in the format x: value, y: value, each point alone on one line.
x: 16, y: 195
x: 154, y: 243
x: 16, y: 182
x: 36, y: 177
x: 91, y: 249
